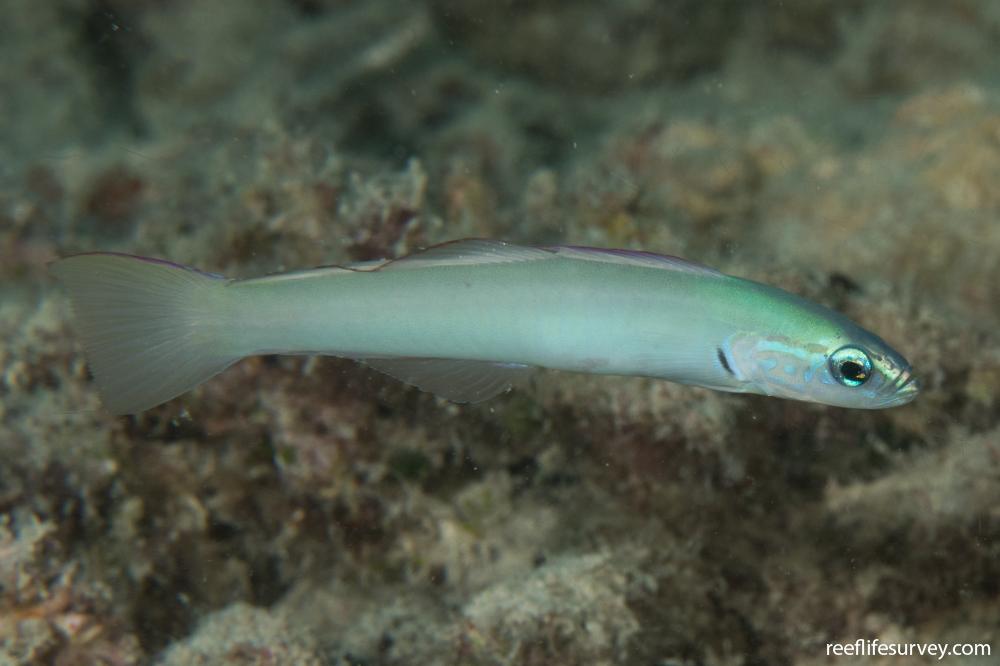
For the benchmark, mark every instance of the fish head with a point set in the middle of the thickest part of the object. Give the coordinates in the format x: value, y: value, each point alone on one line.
x: 832, y: 362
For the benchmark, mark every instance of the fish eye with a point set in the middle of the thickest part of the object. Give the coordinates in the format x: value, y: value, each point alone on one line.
x: 850, y: 366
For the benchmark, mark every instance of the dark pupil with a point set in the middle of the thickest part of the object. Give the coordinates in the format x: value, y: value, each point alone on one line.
x: 853, y: 371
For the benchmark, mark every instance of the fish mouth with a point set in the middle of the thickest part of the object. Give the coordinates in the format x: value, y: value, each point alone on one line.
x: 901, y: 390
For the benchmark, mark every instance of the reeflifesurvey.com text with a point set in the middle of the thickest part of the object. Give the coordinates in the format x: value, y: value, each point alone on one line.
x: 876, y: 648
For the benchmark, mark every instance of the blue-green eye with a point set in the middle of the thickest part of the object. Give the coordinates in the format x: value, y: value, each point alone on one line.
x: 850, y: 366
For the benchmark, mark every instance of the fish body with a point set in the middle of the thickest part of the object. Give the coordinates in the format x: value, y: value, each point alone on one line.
x: 468, y: 319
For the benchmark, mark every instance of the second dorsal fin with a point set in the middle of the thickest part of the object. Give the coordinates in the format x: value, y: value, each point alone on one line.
x: 467, y: 252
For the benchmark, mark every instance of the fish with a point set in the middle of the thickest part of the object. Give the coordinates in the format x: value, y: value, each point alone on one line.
x: 469, y: 319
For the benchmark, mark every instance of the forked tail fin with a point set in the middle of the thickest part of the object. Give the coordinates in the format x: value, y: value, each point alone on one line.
x: 151, y: 329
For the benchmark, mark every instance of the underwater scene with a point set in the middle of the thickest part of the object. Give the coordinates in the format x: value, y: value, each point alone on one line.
x: 507, y: 332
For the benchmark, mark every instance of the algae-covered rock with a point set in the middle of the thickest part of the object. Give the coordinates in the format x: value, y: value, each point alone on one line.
x: 591, y: 46
x: 244, y: 636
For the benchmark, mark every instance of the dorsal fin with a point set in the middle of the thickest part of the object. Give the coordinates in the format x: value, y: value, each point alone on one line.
x: 633, y: 258
x: 474, y: 251
x: 468, y: 251
x: 452, y: 253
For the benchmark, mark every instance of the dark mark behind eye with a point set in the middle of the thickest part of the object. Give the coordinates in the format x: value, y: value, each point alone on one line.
x: 724, y: 361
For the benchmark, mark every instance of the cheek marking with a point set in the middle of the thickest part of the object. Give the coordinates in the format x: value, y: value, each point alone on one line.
x: 789, y: 369
x: 810, y: 372
x: 767, y: 364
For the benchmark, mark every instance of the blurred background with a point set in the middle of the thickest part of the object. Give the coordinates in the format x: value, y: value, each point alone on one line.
x: 310, y: 511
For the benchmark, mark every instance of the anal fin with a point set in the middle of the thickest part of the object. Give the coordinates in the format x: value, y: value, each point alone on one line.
x: 453, y: 379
